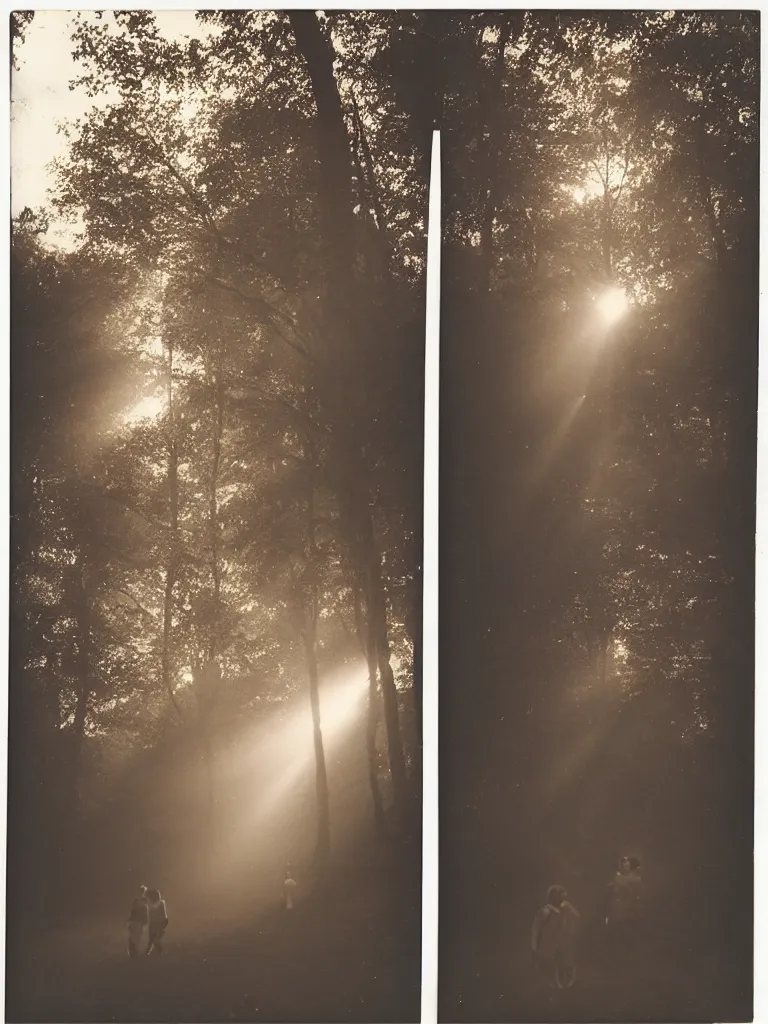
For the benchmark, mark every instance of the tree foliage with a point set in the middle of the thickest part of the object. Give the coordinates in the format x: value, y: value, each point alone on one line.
x: 234, y: 511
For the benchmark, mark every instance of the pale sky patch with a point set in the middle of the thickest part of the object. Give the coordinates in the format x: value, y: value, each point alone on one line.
x: 42, y: 101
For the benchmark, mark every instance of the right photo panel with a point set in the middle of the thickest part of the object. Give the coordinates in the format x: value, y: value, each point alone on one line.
x: 598, y: 474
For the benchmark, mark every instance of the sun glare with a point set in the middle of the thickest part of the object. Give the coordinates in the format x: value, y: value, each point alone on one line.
x: 590, y: 188
x: 149, y: 408
x: 612, y: 305
x: 286, y: 751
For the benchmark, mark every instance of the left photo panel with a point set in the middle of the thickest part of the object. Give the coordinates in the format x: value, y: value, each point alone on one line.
x: 217, y: 419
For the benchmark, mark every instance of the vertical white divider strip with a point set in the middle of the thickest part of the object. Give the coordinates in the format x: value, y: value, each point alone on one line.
x: 430, y: 839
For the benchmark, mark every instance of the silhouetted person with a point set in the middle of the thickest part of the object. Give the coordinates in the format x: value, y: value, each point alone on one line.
x: 138, y: 919
x: 554, y: 928
x: 626, y: 911
x: 289, y: 888
x: 158, y: 921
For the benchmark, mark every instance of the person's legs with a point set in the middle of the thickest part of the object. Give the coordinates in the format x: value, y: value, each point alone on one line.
x: 625, y: 952
x: 547, y: 971
x: 616, y: 946
x: 566, y: 969
x: 156, y: 941
x: 134, y: 934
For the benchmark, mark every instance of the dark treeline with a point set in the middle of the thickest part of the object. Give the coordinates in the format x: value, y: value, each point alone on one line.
x: 217, y: 477
x: 597, y: 497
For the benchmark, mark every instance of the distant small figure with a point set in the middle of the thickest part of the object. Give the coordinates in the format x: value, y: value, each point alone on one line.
x: 554, y: 928
x: 138, y: 919
x: 626, y: 895
x: 289, y: 888
x: 626, y: 914
x: 158, y: 921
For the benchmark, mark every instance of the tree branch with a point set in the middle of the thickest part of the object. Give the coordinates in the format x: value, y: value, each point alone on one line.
x: 267, y: 313
x: 202, y: 206
x: 369, y: 177
x: 145, y: 611
x: 620, y: 187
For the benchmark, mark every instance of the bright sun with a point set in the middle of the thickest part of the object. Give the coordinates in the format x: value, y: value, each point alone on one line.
x: 612, y: 305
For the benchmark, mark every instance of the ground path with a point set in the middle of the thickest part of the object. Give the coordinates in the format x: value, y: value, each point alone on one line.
x: 351, y: 957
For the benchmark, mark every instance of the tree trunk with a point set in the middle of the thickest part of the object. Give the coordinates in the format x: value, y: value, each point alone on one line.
x: 210, y: 790
x: 323, y: 848
x: 342, y: 312
x: 369, y: 558
x: 171, y: 567
x: 372, y: 722
x: 377, y: 615
x: 209, y: 818
x: 335, y: 166
x: 332, y: 140
x: 84, y: 674
x: 369, y: 198
x: 207, y: 681
x: 492, y: 105
x: 606, y: 221
x: 213, y: 514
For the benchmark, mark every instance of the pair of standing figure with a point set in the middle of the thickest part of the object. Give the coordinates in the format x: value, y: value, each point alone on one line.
x: 554, y: 927
x: 147, y: 911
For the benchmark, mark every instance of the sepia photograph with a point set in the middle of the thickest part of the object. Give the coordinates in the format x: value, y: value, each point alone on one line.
x: 218, y: 259
x: 598, y: 407
x: 223, y: 700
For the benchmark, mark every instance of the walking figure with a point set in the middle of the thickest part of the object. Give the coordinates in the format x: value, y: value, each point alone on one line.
x: 138, y: 919
x: 625, y: 914
x: 554, y: 928
x: 289, y: 888
x: 158, y: 921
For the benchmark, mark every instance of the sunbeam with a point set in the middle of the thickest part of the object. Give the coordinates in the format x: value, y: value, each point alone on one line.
x: 151, y: 407
x: 276, y: 759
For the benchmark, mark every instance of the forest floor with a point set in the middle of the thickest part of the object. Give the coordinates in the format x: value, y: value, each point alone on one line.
x: 352, y: 957
x: 659, y: 984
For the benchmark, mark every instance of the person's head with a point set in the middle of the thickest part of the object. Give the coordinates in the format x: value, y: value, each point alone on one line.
x: 142, y: 892
x: 153, y: 895
x: 624, y: 865
x: 556, y: 895
x: 634, y: 863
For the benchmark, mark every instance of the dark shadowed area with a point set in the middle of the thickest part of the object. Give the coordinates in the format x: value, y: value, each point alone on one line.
x: 599, y: 352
